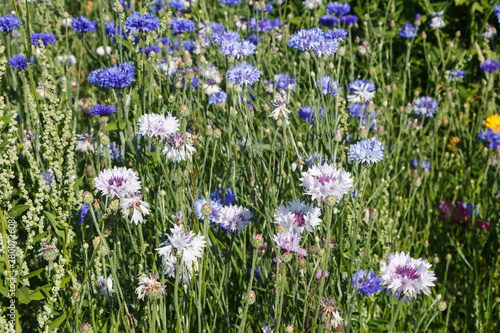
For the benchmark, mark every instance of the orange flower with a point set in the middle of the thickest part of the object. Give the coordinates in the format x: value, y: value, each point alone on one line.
x: 493, y: 122
x: 454, y: 140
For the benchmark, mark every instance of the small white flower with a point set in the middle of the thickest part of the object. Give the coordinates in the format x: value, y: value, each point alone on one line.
x: 279, y: 104
x: 211, y: 87
x: 336, y: 320
x: 136, y: 206
x: 158, y: 125
x: 105, y: 286
x: 298, y: 216
x: 236, y: 218
x: 176, y: 149
x: 84, y: 142
x: 117, y: 182
x: 326, y: 180
x: 437, y: 20
x: 149, y: 287
x: 312, y: 4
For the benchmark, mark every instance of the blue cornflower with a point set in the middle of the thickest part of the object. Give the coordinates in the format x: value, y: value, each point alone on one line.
x: 490, y: 66
x: 238, y: 49
x: 369, y: 285
x: 328, y: 86
x: 256, y: 274
x: 367, y: 151
x: 229, y: 3
x: 46, y: 37
x: 115, y: 151
x: 408, y: 31
x: 244, y: 74
x: 218, y: 98
x: 455, y: 74
x: 83, y: 25
x: 358, y: 110
x: 329, y: 21
x: 229, y: 197
x: 423, y: 164
x: 102, y: 110
x: 110, y: 30
x: 326, y: 48
x: 157, y: 5
x: 118, y: 76
x: 83, y: 212
x: 214, y: 204
x: 284, y: 80
x: 336, y: 34
x: 217, y: 28
x: 182, y: 25
x: 307, y: 113
x: 264, y: 25
x: 9, y: 23
x: 19, y: 62
x: 496, y: 10
x: 138, y: 23
x: 226, y: 37
x: 355, y: 193
x: 426, y: 106
x: 491, y: 136
x: 349, y: 19
x: 267, y: 8
x: 316, y: 159
x: 254, y: 39
x: 306, y: 39
x: 148, y: 49
x: 177, y: 4
x: 337, y: 8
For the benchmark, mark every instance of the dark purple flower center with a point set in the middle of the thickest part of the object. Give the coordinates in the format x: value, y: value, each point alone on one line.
x: 117, y: 181
x: 326, y: 179
x: 299, y: 219
x: 408, y: 272
x: 427, y: 104
x: 176, y: 141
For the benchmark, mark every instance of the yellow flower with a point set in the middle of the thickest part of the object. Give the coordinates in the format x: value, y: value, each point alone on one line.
x: 493, y: 122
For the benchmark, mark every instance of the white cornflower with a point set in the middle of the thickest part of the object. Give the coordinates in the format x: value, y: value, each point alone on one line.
x: 406, y: 275
x: 279, y: 104
x: 149, y: 287
x: 336, y: 321
x: 361, y: 91
x: 298, y: 216
x: 211, y: 87
x: 287, y: 241
x: 105, y: 286
x: 170, y: 65
x: 437, y: 20
x: 490, y: 32
x: 312, y: 4
x: 235, y: 218
x: 136, y: 206
x: 84, y: 142
x: 176, y: 149
x: 117, y: 182
x: 326, y: 180
x: 158, y: 125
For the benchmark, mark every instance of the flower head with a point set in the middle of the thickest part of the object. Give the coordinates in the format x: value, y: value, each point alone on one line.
x: 105, y: 286
x: 401, y: 273
x: 328, y: 86
x: 426, y: 106
x: 297, y: 216
x: 137, y: 23
x: 218, y: 98
x: 367, y: 151
x: 321, y: 181
x: 238, y: 49
x: 328, y: 21
x: 308, y: 113
x: 150, y: 48
x: 336, y: 34
x: 102, y: 110
x: 362, y: 91
x: 215, y: 206
x: 287, y: 241
x: 244, y: 74
x: 490, y: 66
x: 337, y: 8
x: 83, y: 25
x: 118, y: 76
x: 225, y: 37
x: 158, y: 125
x: 306, y: 39
x: 178, y: 148
x: 455, y: 74
x: 19, y: 62
x: 46, y: 37
x: 349, y: 19
x: 437, y: 20
x: 188, y: 243
x: 366, y: 282
x: 490, y: 32
x: 234, y: 218
x: 134, y: 204
x: 9, y: 23
x: 150, y: 287
x: 279, y: 104
x: 493, y: 122
x: 229, y: 3
x: 312, y: 4
x: 408, y: 31
x: 182, y: 25
x: 84, y: 142
x: 117, y: 182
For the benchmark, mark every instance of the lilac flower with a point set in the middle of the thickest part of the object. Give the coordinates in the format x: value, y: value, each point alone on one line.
x: 322, y: 181
x: 408, y: 31
x: 9, y: 23
x: 328, y: 86
x: 83, y: 25
x: 215, y: 205
x: 297, y: 216
x: 426, y: 106
x: 264, y: 25
x: 218, y: 98
x: 217, y: 28
x: 307, y: 113
x: 336, y: 34
x: 366, y: 282
x: 490, y: 66
x: 306, y: 39
x: 320, y: 272
x: 46, y: 37
x: 401, y: 273
x: 19, y: 62
x: 349, y: 19
x: 287, y: 241
x: 367, y: 151
x: 226, y: 37
x: 118, y: 182
x: 102, y: 110
x: 182, y: 25
x: 229, y: 3
x: 238, y: 49
x: 118, y: 76
x: 325, y: 48
x: 244, y: 74
x: 138, y: 23
x: 337, y: 8
x: 328, y: 21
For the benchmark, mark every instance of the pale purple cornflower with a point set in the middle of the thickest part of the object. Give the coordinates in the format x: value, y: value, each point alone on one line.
x: 426, y: 106
x: 218, y: 98
x: 325, y: 48
x: 408, y: 31
x: 297, y: 216
x: 117, y: 182
x: 244, y: 74
x: 134, y: 204
x: 158, y: 125
x: 337, y: 8
x: 362, y: 91
x: 188, y: 243
x: 178, y: 147
x: 403, y: 274
x: 336, y: 34
x: 215, y: 206
x: 437, y: 20
x: 238, y: 49
x: 234, y: 218
x: 490, y: 66
x: 322, y: 181
x: 349, y: 19
x: 137, y: 23
x: 150, y: 287
x: 367, y: 151
x: 328, y: 86
x: 287, y: 241
x: 225, y: 37
x: 306, y: 39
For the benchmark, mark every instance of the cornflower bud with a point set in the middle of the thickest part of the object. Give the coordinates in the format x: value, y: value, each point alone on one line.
x: 217, y: 133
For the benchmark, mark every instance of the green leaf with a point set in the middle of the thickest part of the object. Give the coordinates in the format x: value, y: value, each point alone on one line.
x: 477, y: 7
x: 17, y: 210
x: 77, y: 183
x: 40, y: 292
x: 56, y: 323
x: 39, y: 236
x: 64, y: 282
x: 126, y: 43
x: 4, y: 291
x: 32, y: 274
x: 53, y: 221
x: 113, y: 126
x: 23, y: 295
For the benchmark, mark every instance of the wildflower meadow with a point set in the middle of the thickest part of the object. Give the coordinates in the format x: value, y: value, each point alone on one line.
x: 249, y: 166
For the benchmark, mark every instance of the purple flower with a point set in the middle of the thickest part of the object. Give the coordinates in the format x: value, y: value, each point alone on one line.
x: 328, y: 86
x: 46, y: 37
x: 328, y: 21
x: 264, y: 25
x: 349, y: 19
x: 226, y: 37
x: 102, y: 110
x: 19, y: 62
x: 337, y: 8
x: 217, y: 28
x: 238, y: 49
x: 9, y: 23
x: 110, y: 30
x: 83, y: 25
x: 426, y: 106
x: 320, y: 272
x: 336, y: 34
x: 306, y: 39
x: 357, y: 110
x: 182, y: 25
x: 215, y: 205
x: 229, y: 3
x: 229, y: 197
x: 287, y: 241
x: 366, y: 282
x: 455, y: 74
x: 83, y: 212
x: 307, y: 113
x: 177, y: 4
x: 256, y: 274
x: 138, y: 23
x: 490, y: 66
x: 408, y: 31
x: 244, y: 74
x: 491, y: 136
x: 284, y: 80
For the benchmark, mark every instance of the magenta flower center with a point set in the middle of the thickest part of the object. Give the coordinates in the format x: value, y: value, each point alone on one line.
x: 326, y: 179
x: 176, y: 141
x: 407, y: 272
x: 427, y: 104
x: 117, y: 181
x: 299, y: 219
